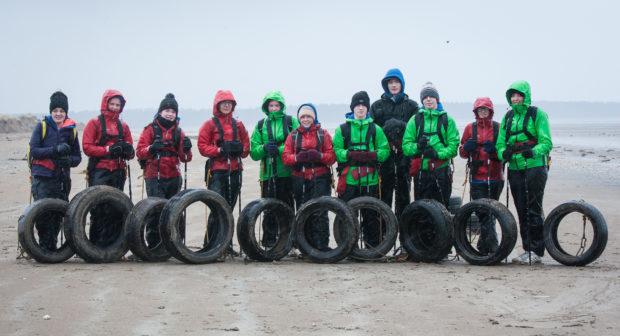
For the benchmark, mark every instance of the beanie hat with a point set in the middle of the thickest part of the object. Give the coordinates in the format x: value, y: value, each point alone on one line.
x: 169, y: 103
x: 360, y: 98
x: 59, y: 99
x: 307, y: 109
x: 429, y: 90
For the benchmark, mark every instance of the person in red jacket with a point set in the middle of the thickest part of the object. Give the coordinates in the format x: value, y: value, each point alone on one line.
x: 162, y: 147
x: 308, y: 151
x: 107, y: 142
x: 224, y: 140
x: 486, y: 175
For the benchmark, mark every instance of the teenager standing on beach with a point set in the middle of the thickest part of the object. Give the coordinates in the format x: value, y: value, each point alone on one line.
x: 267, y: 146
x: 524, y: 142
x: 54, y: 148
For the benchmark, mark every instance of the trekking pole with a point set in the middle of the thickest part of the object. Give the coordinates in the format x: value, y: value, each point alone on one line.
x: 489, y: 176
x: 185, y: 178
x: 229, y: 186
x: 303, y: 184
x: 240, y: 179
x: 464, y: 185
x: 129, y: 179
x: 527, y: 220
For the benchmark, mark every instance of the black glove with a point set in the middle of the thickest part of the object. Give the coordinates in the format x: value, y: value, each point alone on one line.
x: 63, y: 162
x: 62, y: 149
x: 528, y: 153
x: 470, y: 145
x: 431, y: 154
x: 156, y: 146
x: 271, y: 148
x: 422, y: 143
x: 507, y: 154
x: 187, y: 144
x: 128, y: 150
x: 116, y: 150
x: 232, y: 148
x: 489, y: 147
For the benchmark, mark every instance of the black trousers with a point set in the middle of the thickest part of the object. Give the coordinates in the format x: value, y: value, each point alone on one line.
x: 305, y: 190
x: 370, y: 224
x: 528, y: 188
x: 228, y: 184
x: 487, y: 243
x: 48, y: 228
x: 282, y: 189
x: 435, y: 185
x: 395, y: 179
x: 105, y: 222
x: 164, y: 188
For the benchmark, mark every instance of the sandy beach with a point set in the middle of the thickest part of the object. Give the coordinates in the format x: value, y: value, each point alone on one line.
x: 296, y: 297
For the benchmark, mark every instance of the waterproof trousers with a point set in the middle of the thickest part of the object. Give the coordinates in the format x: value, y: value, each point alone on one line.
x: 487, y: 243
x: 228, y: 184
x: 162, y: 188
x: 105, y: 222
x: 435, y: 185
x: 395, y: 180
x: 318, y: 231
x: 369, y: 222
x: 48, y: 228
x: 280, y: 188
x: 528, y: 188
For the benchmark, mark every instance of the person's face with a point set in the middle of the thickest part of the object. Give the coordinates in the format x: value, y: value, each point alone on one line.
x: 394, y: 86
x: 114, y: 105
x: 516, y: 98
x: 226, y: 106
x: 360, y: 111
x: 274, y: 106
x: 483, y: 112
x: 306, y: 120
x: 430, y: 103
x: 59, y: 115
x: 168, y: 114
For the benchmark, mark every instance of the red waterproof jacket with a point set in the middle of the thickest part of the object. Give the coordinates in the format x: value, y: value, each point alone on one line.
x: 92, y: 134
x: 208, y: 135
x: 479, y: 156
x: 309, y: 141
x: 170, y: 158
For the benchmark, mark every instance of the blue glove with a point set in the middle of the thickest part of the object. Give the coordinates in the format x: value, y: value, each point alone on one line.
x: 489, y: 147
x: 528, y: 153
x: 271, y: 148
x: 470, y: 145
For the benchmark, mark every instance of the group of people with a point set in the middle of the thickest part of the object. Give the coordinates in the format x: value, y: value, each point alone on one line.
x: 380, y: 148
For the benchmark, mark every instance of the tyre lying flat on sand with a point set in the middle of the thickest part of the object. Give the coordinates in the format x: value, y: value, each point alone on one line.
x: 426, y: 231
x: 75, y: 221
x: 172, y: 217
x: 349, y: 229
x: 136, y: 226
x: 246, y: 225
x: 467, y: 231
x: 597, y: 233
x: 26, y: 230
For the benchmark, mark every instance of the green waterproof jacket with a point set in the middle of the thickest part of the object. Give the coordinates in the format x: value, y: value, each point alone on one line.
x: 450, y: 135
x: 358, y: 134
x: 539, y: 129
x: 260, y: 138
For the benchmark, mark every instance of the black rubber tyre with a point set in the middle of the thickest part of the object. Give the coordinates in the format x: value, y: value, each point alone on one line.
x: 349, y: 229
x: 454, y: 204
x: 136, y: 225
x: 172, y: 215
x: 26, y: 231
x: 462, y: 222
x: 430, y: 240
x: 388, y: 220
x: 599, y: 239
x: 78, y: 209
x: 246, y: 223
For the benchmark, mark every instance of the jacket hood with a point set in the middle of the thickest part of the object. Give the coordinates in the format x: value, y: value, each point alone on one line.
x: 351, y: 116
x: 433, y: 113
x: 273, y: 95
x: 316, y: 114
x: 523, y: 87
x: 109, y: 94
x: 221, y: 96
x: 393, y: 73
x: 486, y: 102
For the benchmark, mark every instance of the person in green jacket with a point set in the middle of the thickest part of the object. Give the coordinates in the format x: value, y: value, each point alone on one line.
x: 432, y: 139
x: 524, y: 141
x: 267, y: 145
x: 360, y: 145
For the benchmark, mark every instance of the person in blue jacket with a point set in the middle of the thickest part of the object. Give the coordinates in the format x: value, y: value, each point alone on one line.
x: 54, y: 149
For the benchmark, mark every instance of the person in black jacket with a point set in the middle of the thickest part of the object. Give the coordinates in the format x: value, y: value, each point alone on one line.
x: 392, y: 112
x: 54, y: 148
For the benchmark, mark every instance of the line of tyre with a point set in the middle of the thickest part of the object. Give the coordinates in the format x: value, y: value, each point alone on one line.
x: 427, y: 231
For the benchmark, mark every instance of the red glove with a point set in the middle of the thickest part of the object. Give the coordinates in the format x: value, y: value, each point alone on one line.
x: 310, y: 155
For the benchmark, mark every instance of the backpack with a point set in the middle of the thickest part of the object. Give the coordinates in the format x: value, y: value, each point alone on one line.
x: 158, y: 133
x: 531, y: 113
x: 287, y: 126
x: 296, y: 139
x: 103, y: 139
x: 345, y: 129
x: 219, y: 142
x: 474, y: 131
x: 442, y: 122
x: 29, y: 157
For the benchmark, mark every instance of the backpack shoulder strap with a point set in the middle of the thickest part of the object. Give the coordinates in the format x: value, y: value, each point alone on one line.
x: 474, y: 131
x: 531, y: 113
x: 269, y: 130
x: 320, y: 138
x: 104, y: 130
x: 296, y: 140
x: 442, y: 122
x: 345, y: 129
x: 495, y: 131
x: 234, y: 127
x: 287, y: 124
x: 220, y: 130
x: 260, y: 126
x: 508, y: 124
x: 157, y: 132
x: 370, y: 134
x: 419, y: 124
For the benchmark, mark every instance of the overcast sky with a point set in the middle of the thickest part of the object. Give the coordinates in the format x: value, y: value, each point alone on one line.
x: 313, y: 51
